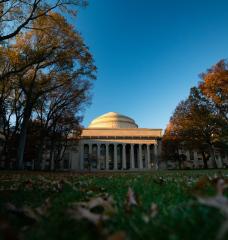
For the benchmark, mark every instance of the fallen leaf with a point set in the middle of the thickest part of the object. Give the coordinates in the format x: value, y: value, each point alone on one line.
x: 121, y: 235
x: 145, y: 218
x: 153, y: 210
x: 24, y: 211
x: 106, y: 204
x: 84, y: 210
x: 221, y: 203
x: 79, y: 213
x: 131, y: 200
x: 28, y: 212
x: 42, y: 210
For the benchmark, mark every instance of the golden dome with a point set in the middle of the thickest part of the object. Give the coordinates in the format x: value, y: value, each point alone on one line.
x: 113, y: 120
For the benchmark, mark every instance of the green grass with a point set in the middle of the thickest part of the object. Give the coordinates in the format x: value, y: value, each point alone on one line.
x: 180, y: 215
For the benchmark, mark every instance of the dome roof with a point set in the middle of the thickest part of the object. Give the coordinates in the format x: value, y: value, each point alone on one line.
x: 113, y: 120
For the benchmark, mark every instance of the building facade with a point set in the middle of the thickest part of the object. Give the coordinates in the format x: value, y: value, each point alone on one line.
x: 115, y: 142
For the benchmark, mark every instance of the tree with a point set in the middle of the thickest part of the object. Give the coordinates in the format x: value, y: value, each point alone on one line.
x: 214, y: 86
x: 57, y: 113
x: 18, y: 15
x: 195, y: 126
x: 171, y: 143
x: 61, y: 60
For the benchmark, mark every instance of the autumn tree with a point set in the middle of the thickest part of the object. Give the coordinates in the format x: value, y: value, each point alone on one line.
x: 214, y: 86
x: 171, y: 143
x: 58, y: 113
x: 60, y: 57
x: 17, y: 15
x: 195, y: 126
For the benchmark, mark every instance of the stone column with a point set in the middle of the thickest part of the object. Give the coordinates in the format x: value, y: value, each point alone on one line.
x: 148, y: 156
x: 219, y: 161
x: 106, y: 157
x: 155, y: 156
x: 226, y: 158
x: 196, y: 161
x: 90, y: 155
x: 98, y: 156
x: 43, y: 163
x: 187, y: 153
x: 90, y: 149
x: 159, y: 152
x: 81, y: 156
x: 115, y: 157
x: 140, y: 157
x: 132, y: 157
x: 124, y: 166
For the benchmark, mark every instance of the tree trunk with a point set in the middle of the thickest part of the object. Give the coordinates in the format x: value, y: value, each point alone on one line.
x: 213, y: 157
x: 52, y: 160
x: 205, y: 159
x: 21, y: 145
x: 4, y: 154
x: 40, y: 152
x: 179, y: 164
x: 23, y: 135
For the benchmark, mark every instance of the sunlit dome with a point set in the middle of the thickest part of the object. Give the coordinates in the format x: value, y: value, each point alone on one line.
x: 113, y: 120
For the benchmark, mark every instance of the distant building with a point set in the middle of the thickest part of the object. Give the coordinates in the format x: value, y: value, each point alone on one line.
x: 115, y: 142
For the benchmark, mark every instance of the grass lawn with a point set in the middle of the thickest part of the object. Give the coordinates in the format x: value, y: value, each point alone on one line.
x: 155, y: 205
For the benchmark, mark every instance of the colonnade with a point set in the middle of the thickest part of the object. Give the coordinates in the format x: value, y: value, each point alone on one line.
x: 118, y: 156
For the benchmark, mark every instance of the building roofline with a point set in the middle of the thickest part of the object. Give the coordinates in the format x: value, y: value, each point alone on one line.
x: 130, y: 129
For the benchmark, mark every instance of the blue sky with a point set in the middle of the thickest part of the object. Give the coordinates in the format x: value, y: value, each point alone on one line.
x: 150, y: 52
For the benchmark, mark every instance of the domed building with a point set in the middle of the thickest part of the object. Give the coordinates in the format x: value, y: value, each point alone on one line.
x: 115, y: 142
x: 113, y: 120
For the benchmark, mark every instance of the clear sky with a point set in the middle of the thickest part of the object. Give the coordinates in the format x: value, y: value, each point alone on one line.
x: 150, y: 52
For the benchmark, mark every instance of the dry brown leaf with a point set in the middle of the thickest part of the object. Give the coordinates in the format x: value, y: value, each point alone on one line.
x: 24, y: 211
x: 131, y: 200
x: 221, y: 185
x: 220, y: 202
x: 28, y: 184
x: 152, y: 213
x: 42, y: 210
x: 30, y: 213
x: 33, y: 214
x: 10, y: 207
x: 106, y: 204
x: 153, y: 210
x: 121, y: 235
x: 83, y: 210
x: 79, y: 213
x: 145, y: 218
x: 201, y: 183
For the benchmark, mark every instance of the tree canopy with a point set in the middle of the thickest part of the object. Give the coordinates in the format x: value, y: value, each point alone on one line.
x: 46, y: 75
x: 200, y: 121
x: 18, y: 15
